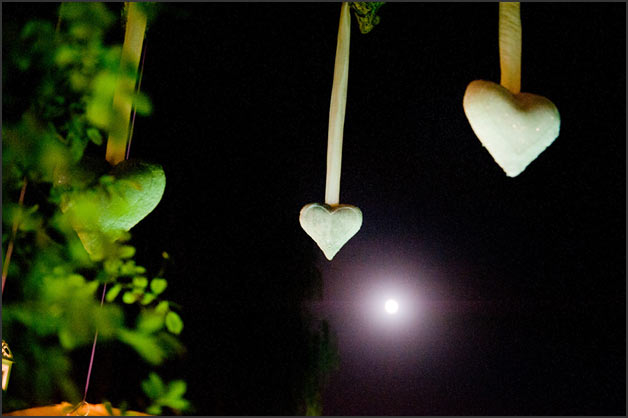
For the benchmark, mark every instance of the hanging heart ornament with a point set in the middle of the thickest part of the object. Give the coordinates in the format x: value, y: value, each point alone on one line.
x: 100, y: 214
x: 514, y: 128
x: 330, y: 227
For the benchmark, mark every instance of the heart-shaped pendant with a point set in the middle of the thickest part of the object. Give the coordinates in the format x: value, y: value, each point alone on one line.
x: 514, y: 128
x: 101, y: 214
x: 330, y: 227
x: 141, y: 186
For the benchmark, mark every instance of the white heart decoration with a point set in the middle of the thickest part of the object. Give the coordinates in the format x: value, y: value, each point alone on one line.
x: 330, y: 227
x: 514, y: 128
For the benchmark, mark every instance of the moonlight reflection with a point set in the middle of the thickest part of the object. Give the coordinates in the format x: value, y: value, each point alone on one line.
x: 391, y: 306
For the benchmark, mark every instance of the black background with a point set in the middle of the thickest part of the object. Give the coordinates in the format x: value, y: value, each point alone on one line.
x: 533, y: 266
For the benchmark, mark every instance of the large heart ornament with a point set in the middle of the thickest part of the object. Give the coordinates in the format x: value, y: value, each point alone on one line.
x: 101, y: 214
x: 330, y: 227
x: 140, y: 188
x: 514, y: 128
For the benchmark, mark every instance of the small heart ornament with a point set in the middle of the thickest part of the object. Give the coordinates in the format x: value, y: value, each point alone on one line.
x: 514, y: 128
x: 330, y: 227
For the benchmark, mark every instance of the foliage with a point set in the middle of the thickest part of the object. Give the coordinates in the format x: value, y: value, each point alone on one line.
x: 162, y: 395
x: 366, y: 14
x: 72, y: 237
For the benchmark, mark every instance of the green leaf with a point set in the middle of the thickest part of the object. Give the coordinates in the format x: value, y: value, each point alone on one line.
x: 75, y: 280
x: 112, y: 266
x: 129, y: 297
x: 94, y: 14
x: 153, y: 387
x: 140, y: 282
x: 158, y: 285
x: 154, y: 410
x: 142, y: 104
x: 147, y: 346
x: 109, y: 408
x: 366, y: 14
x: 42, y: 325
x: 177, y: 389
x: 99, y: 110
x: 106, y: 180
x: 66, y: 338
x: 174, y: 323
x: 65, y: 55
x: 94, y: 135
x: 162, y: 307
x: 113, y: 293
x: 177, y: 404
x: 130, y: 269
x: 150, y: 322
x: 126, y: 251
x: 157, y: 383
x: 147, y: 298
x: 162, y: 396
x: 30, y: 221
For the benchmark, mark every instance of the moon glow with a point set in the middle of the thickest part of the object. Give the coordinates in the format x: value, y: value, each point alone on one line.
x: 391, y: 306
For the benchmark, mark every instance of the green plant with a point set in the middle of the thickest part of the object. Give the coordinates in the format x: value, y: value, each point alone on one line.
x: 366, y: 14
x: 66, y: 213
x: 162, y: 395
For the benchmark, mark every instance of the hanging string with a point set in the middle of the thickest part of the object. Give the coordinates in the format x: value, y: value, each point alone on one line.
x: 91, y: 360
x: 7, y: 258
x: 83, y: 403
x: 104, y: 290
x: 137, y: 91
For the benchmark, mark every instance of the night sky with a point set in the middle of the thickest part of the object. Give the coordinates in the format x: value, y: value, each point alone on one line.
x: 513, y: 288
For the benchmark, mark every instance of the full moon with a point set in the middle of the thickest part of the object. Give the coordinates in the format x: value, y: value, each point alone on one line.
x: 391, y: 306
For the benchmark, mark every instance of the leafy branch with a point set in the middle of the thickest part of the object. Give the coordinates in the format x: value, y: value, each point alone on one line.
x: 72, y: 224
x: 366, y: 14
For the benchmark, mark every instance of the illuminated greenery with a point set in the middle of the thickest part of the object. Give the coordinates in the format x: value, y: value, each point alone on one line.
x: 163, y: 395
x: 73, y: 235
x: 58, y: 83
x: 366, y: 14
